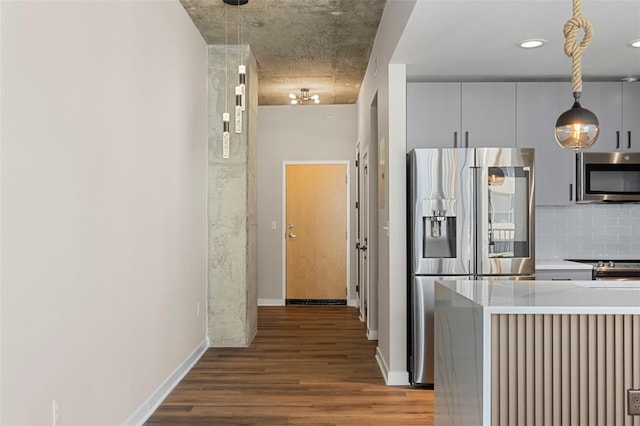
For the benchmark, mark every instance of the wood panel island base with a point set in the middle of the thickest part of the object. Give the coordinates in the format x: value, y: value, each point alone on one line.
x: 536, y: 352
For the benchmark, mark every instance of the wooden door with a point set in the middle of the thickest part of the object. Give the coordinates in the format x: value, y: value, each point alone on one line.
x: 316, y: 232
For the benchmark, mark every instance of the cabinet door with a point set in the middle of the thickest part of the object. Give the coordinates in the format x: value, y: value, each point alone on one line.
x: 604, y: 99
x: 631, y: 116
x: 433, y: 115
x: 538, y: 108
x: 489, y: 114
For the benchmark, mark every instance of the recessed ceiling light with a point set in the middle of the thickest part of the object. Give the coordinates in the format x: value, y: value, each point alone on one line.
x: 532, y: 43
x: 635, y: 43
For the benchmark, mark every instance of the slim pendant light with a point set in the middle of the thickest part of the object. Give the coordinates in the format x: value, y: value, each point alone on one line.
x: 225, y: 115
x: 242, y: 69
x: 238, y: 110
x: 242, y: 78
x: 225, y: 135
x: 577, y: 128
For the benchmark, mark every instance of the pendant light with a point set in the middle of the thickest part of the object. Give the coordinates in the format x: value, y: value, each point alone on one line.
x: 242, y: 69
x: 238, y: 109
x: 240, y: 89
x: 225, y: 135
x: 577, y: 128
x: 225, y: 115
x: 242, y: 79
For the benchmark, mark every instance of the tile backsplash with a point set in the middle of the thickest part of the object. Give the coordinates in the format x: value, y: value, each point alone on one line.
x: 588, y: 231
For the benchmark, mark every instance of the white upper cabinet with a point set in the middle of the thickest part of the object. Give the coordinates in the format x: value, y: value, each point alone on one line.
x: 433, y: 115
x: 617, y: 106
x: 631, y: 116
x: 446, y: 115
x: 488, y: 114
x: 538, y: 107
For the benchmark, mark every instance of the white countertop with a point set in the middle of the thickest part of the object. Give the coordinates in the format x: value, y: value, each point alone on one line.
x: 562, y: 297
x: 561, y: 264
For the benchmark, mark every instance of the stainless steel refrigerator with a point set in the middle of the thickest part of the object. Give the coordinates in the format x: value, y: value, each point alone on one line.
x: 470, y: 216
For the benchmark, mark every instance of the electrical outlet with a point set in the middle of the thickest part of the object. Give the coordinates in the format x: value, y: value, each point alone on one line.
x: 57, y: 413
x: 633, y: 402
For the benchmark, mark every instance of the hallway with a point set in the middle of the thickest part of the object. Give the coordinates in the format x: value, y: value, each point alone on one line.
x: 307, y: 365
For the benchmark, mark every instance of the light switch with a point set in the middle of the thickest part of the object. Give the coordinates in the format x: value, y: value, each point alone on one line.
x: 273, y: 224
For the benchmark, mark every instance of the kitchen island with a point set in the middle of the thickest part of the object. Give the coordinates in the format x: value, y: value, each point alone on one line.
x: 536, y: 352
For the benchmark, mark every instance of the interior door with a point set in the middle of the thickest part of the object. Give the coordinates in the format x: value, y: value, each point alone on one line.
x: 316, y: 232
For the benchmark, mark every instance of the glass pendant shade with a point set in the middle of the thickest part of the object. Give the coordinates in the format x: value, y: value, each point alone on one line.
x: 577, y: 128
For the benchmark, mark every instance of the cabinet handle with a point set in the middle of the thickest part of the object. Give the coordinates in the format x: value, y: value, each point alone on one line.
x: 570, y: 192
x: 629, y: 139
x: 466, y: 139
x: 618, y: 139
x: 455, y: 139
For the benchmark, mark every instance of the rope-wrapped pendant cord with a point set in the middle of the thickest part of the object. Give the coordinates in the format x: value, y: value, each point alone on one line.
x: 571, y: 46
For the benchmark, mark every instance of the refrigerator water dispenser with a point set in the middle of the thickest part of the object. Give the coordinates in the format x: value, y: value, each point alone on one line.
x: 439, y: 230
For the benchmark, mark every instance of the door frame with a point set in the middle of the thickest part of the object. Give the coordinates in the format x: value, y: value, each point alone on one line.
x: 358, y: 229
x: 364, y: 233
x: 371, y: 298
x: 347, y: 240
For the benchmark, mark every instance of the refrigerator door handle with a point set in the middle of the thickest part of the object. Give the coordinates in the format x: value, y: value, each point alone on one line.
x: 475, y: 217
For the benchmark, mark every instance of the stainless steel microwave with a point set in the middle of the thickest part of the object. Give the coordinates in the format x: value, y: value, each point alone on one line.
x: 608, y: 177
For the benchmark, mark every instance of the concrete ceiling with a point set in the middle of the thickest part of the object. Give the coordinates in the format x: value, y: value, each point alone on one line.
x: 322, y: 45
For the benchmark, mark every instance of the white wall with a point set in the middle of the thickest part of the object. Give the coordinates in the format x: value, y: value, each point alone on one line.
x: 103, y: 205
x: 388, y: 81
x: 296, y: 133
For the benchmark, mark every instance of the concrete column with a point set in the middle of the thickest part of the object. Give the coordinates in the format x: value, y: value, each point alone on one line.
x: 232, y: 202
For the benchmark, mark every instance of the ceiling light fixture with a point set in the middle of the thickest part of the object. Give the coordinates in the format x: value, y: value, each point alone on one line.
x: 240, y: 89
x: 226, y: 138
x: 577, y: 128
x: 532, y: 43
x: 304, y: 97
x: 635, y: 43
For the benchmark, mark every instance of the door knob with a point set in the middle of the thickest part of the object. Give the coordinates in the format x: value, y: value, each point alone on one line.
x: 291, y: 235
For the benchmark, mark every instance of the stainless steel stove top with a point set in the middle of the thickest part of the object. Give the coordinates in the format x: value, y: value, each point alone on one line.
x: 622, y: 268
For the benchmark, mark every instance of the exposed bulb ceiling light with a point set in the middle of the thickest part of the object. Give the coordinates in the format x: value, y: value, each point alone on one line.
x: 532, y: 43
x: 577, y: 128
x: 304, y: 97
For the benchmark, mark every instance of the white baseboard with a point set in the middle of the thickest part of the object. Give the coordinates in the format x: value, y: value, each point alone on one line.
x: 391, y: 378
x: 353, y: 303
x: 372, y: 334
x: 271, y: 302
x: 145, y: 411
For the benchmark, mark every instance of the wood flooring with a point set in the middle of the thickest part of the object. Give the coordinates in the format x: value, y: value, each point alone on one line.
x: 308, y: 365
